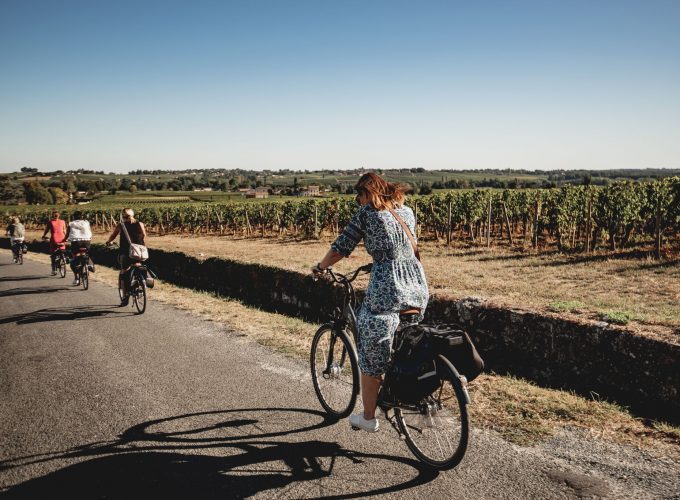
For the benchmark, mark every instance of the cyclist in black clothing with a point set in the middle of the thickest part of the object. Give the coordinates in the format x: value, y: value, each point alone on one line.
x: 137, y: 233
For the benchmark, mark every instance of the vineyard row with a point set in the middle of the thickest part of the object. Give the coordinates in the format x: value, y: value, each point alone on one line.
x: 569, y: 218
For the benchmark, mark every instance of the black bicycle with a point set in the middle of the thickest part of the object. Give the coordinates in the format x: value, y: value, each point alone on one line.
x: 139, y: 278
x: 436, y: 428
x: 59, y: 262
x: 18, y: 252
x: 82, y: 267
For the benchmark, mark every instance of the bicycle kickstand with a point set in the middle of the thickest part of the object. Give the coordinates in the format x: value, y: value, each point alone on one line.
x: 393, y: 422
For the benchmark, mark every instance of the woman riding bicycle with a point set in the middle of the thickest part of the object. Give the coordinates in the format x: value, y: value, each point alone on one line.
x: 79, y: 234
x: 57, y: 229
x: 137, y: 233
x: 397, y: 285
x: 15, y: 231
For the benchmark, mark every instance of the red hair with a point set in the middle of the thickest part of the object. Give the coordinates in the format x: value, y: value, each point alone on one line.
x: 382, y: 194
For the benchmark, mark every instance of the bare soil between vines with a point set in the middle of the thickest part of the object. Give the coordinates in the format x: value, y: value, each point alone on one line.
x: 620, y: 288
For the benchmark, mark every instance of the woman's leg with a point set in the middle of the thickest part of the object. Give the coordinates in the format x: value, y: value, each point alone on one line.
x: 370, y: 386
x: 376, y: 332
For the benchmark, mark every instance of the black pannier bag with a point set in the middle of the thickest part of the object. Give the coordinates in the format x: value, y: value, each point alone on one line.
x: 452, y: 342
x: 413, y: 373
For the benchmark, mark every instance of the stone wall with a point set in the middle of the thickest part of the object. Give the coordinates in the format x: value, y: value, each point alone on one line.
x: 602, y: 360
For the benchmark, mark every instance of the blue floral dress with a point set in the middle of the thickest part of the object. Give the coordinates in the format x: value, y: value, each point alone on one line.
x: 397, y: 281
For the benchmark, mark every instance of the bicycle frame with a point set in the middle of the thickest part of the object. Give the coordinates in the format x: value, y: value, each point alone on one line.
x: 345, y: 317
x: 81, y: 257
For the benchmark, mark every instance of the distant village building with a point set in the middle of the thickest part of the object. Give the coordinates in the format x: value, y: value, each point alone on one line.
x: 311, y: 191
x: 261, y: 192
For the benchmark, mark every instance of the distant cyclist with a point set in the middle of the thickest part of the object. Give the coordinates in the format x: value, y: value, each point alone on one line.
x: 57, y: 229
x: 15, y: 231
x: 79, y: 234
x: 137, y: 233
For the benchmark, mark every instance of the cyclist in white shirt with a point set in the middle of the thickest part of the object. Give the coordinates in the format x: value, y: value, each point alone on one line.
x: 79, y: 234
x: 15, y: 231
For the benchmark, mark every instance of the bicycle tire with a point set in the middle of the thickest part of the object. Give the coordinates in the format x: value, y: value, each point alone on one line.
x: 84, y: 277
x: 337, y: 393
x: 20, y: 257
x: 428, y: 435
x: 138, y: 293
x: 121, y: 294
x: 62, y: 266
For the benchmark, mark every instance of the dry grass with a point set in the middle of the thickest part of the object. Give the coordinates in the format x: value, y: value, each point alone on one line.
x: 518, y: 410
x: 642, y: 293
x: 525, y: 413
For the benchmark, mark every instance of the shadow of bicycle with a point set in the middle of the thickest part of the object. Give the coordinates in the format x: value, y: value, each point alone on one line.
x: 66, y: 314
x: 220, y: 454
x: 23, y: 278
x: 33, y: 291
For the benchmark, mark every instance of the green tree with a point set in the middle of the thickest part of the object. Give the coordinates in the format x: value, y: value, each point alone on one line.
x: 425, y: 188
x: 36, y: 193
x: 10, y: 192
x: 59, y: 196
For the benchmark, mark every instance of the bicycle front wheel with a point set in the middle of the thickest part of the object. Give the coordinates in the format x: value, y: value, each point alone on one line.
x: 437, y: 429
x: 62, y: 266
x: 335, y: 371
x: 84, y: 277
x: 138, y: 293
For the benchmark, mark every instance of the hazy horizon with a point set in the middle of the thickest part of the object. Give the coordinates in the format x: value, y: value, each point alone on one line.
x: 338, y: 86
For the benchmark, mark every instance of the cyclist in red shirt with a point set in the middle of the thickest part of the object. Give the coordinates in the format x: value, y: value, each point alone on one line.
x: 57, y: 229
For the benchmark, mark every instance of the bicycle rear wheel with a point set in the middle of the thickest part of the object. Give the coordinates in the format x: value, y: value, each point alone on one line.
x: 335, y: 371
x: 121, y: 292
x: 437, y: 429
x: 138, y: 293
x: 62, y: 266
x: 84, y: 277
x: 20, y: 257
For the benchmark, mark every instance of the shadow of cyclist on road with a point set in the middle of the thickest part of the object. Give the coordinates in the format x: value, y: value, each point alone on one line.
x: 230, y: 453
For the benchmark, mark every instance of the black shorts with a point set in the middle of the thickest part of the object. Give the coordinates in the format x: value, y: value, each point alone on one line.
x: 124, y: 261
x: 77, y: 245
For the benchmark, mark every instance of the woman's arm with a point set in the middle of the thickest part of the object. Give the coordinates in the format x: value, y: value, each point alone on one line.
x: 142, y: 230
x: 328, y: 260
x: 48, y: 228
x: 115, y: 232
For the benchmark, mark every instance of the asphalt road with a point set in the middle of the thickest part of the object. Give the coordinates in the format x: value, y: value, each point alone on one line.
x: 97, y: 402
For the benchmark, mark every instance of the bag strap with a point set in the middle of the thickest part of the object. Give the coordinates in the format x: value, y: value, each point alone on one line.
x: 126, y: 232
x: 407, y: 231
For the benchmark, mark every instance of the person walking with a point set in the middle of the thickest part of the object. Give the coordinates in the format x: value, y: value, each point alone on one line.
x: 137, y: 233
x: 397, y: 285
x: 57, y: 229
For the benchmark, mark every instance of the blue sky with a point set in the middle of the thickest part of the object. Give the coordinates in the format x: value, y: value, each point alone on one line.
x: 259, y: 84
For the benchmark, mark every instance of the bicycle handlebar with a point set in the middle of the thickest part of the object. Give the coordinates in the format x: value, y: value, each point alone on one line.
x: 341, y: 278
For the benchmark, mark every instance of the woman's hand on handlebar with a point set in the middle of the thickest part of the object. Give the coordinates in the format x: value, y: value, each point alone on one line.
x: 317, y: 272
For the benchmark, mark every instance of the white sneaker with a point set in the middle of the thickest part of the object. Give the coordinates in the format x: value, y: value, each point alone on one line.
x: 76, y: 282
x: 359, y: 422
